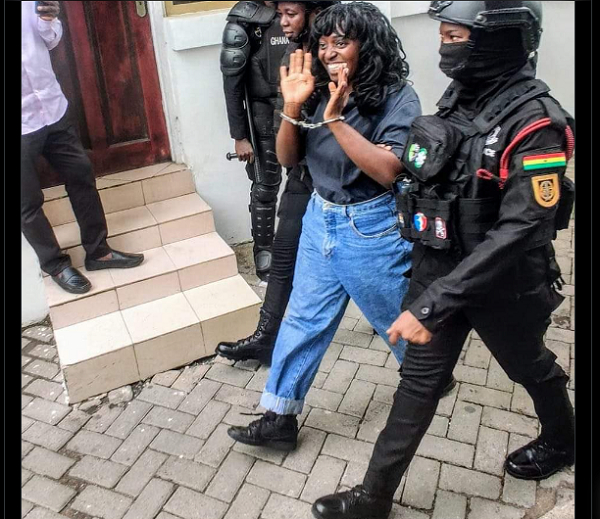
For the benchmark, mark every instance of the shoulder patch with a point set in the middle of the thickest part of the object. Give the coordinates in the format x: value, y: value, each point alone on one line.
x: 548, y: 160
x: 546, y: 189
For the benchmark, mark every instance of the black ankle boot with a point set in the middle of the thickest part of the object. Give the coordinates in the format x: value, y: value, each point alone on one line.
x: 259, y: 346
x: 539, y: 460
x: 275, y: 431
x: 357, y: 503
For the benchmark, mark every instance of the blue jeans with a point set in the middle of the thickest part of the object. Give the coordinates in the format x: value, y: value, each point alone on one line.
x: 345, y: 252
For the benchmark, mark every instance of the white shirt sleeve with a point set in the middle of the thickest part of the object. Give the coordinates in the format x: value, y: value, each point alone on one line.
x: 51, y: 32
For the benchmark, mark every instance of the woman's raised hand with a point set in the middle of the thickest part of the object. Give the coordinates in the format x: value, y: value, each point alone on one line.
x: 340, y: 94
x: 298, y: 83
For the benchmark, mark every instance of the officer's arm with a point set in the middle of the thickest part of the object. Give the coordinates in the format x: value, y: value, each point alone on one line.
x: 235, y: 54
x: 50, y: 31
x: 526, y: 216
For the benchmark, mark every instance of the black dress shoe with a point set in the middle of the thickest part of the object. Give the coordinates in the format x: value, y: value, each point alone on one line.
x: 72, y: 281
x: 274, y: 431
x: 357, y: 503
x: 538, y: 460
x: 119, y: 260
x: 259, y: 346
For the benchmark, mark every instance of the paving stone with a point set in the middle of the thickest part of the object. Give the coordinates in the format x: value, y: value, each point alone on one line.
x: 392, y: 363
x: 249, y: 503
x: 385, y: 394
x: 354, y: 474
x: 337, y: 423
x: 176, y: 444
x: 41, y: 368
x: 103, y: 419
x: 446, y: 405
x: 39, y: 333
x: 25, y: 360
x: 491, y: 451
x: 190, y: 376
x: 553, y: 334
x: 421, y: 483
x: 186, y: 473
x: 206, y: 422
x: 516, y: 441
x: 484, y: 396
x: 324, y: 478
x: 129, y: 419
x: 26, y: 507
x: 320, y: 398
x: 277, y: 479
x: 272, y: 456
x: 470, y: 375
x: 47, y: 463
x: 363, y: 356
x: 121, y: 395
x: 478, y: 356
x: 25, y: 400
x: 470, y: 482
x: 216, y: 448
x: 318, y: 382
x: 562, y: 351
x: 47, y: 390
x: 565, y: 505
x: 449, y: 451
x: 168, y: 419
x: 47, y: 493
x: 439, y: 426
x: 347, y: 449
x: 25, y: 379
x: 511, y: 422
x: 357, y: 398
x: 519, y: 492
x: 259, y: 380
x: 484, y: 509
x: 26, y: 475
x: 165, y: 515
x: 141, y: 473
x: 26, y: 423
x: 374, y: 422
x: 498, y: 379
x: 99, y: 502
x: 348, y: 323
x: 449, y: 506
x: 99, y: 472
x: 199, y: 397
x: 192, y: 505
x: 360, y: 340
x: 330, y: 358
x: 562, y: 478
x: 379, y: 344
x: 310, y: 442
x: 151, y: 500
x: 94, y: 444
x: 230, y: 477
x: 45, y: 411
x: 401, y: 512
x: 388, y: 377
x: 163, y: 396
x: 44, y: 351
x: 522, y: 403
x: 237, y: 396
x: 46, y: 436
x: 280, y: 507
x: 166, y: 379
x: 229, y: 375
x: 464, y: 426
x: 25, y: 342
x: 135, y: 444
x: 26, y: 448
x: 341, y: 376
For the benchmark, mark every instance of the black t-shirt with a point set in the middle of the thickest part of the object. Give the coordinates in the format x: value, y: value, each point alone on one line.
x: 336, y: 178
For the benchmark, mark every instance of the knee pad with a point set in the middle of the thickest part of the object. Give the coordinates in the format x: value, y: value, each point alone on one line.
x: 264, y: 195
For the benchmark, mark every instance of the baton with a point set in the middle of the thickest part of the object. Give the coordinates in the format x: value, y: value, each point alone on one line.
x: 231, y: 156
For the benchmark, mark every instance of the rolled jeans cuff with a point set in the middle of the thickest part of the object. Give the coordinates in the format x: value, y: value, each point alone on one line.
x: 281, y: 405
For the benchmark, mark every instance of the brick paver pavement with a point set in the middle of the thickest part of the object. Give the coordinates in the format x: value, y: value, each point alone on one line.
x: 165, y: 454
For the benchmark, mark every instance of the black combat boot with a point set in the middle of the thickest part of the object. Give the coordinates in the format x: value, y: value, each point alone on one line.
x: 273, y: 430
x: 539, y: 460
x: 259, y: 346
x: 357, y: 503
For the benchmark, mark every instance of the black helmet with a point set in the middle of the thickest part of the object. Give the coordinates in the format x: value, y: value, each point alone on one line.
x: 314, y: 5
x: 495, y: 15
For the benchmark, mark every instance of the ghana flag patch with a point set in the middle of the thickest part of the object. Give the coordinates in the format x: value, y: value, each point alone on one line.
x: 551, y: 160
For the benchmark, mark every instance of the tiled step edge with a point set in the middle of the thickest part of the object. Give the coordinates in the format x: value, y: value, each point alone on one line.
x: 123, y: 347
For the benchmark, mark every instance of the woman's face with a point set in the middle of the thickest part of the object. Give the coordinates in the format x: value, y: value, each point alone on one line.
x: 453, y: 33
x: 293, y: 19
x: 337, y: 51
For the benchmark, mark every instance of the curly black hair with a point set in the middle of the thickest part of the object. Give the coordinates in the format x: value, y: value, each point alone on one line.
x: 382, y: 65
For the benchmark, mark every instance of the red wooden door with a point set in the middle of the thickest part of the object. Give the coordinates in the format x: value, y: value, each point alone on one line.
x: 107, y: 69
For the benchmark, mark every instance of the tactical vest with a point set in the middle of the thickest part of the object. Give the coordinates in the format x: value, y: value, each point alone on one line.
x: 449, y: 197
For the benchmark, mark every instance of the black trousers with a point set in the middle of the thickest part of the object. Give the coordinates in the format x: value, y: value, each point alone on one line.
x: 61, y: 146
x: 513, y: 329
x: 294, y: 200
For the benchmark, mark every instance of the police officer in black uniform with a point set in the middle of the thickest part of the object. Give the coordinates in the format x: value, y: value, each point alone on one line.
x: 296, y: 18
x: 484, y: 192
x: 253, y: 46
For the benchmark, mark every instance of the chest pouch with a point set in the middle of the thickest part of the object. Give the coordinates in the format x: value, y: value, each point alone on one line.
x: 431, y: 144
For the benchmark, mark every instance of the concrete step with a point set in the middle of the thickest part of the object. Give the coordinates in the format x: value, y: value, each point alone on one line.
x: 130, y: 345
x: 126, y: 190
x: 167, y: 270
x: 145, y: 228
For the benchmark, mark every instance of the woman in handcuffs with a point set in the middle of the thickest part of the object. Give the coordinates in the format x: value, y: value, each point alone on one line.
x: 350, y: 246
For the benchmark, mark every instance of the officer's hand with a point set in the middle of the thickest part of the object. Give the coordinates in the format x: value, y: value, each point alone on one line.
x: 297, y: 83
x: 410, y: 329
x: 48, y: 11
x: 385, y: 147
x: 244, y: 151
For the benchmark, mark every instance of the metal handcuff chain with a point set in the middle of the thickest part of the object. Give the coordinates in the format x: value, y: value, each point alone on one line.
x: 310, y: 126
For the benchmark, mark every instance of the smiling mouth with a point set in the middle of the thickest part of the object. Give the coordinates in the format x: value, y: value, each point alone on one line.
x: 334, y: 68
